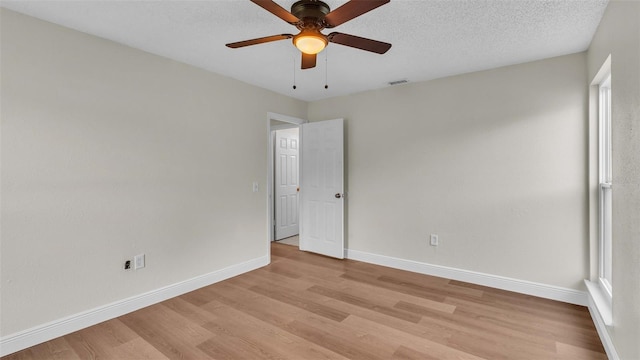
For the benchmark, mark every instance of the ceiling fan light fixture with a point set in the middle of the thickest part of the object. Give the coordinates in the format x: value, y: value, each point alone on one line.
x: 310, y: 41
x: 310, y: 17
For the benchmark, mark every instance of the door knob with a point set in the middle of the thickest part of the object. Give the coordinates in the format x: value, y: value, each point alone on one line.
x: 338, y: 196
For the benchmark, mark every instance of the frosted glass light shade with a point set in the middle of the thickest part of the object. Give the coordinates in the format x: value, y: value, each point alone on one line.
x: 310, y: 42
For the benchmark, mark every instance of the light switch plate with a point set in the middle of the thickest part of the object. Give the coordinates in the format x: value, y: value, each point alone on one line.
x: 138, y: 262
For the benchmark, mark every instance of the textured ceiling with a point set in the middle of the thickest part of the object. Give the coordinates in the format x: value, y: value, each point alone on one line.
x: 431, y: 39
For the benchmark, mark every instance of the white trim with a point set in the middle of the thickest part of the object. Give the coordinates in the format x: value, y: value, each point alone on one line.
x: 605, y: 70
x: 520, y: 286
x: 285, y: 118
x: 45, y: 332
x: 284, y: 127
x: 601, y: 302
x: 599, y: 321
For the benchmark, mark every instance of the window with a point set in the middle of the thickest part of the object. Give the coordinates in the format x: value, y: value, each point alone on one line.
x: 605, y: 189
x: 600, y: 284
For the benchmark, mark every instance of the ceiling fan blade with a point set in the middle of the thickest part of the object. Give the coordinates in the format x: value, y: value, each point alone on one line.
x: 350, y: 10
x: 261, y: 40
x: 358, y: 42
x: 277, y: 10
x: 308, y: 61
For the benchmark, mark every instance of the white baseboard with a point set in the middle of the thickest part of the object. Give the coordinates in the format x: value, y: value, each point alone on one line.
x: 601, y: 327
x: 520, y: 286
x: 39, y: 334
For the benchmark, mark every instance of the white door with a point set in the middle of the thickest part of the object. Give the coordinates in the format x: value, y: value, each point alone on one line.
x: 322, y: 188
x: 286, y: 183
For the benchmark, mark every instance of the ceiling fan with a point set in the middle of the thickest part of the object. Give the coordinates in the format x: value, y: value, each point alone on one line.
x: 312, y: 16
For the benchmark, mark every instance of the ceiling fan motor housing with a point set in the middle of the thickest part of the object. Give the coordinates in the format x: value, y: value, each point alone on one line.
x: 311, y: 14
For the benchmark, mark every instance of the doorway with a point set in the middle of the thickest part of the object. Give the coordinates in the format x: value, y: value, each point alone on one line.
x: 283, y: 178
x: 321, y: 203
x: 286, y: 186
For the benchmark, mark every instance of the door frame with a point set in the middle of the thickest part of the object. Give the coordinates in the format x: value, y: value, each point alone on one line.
x: 291, y: 122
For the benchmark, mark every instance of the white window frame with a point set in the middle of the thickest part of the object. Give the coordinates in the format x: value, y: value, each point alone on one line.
x: 600, y: 285
x: 605, y: 191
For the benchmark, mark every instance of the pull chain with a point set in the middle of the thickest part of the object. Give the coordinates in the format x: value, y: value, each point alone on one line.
x: 326, y: 67
x: 294, y: 73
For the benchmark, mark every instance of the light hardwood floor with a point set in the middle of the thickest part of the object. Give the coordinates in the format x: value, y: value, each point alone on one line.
x: 306, y: 306
x: 293, y: 241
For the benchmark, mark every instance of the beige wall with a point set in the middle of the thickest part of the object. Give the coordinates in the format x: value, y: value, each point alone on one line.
x: 619, y: 35
x: 494, y: 162
x: 108, y: 152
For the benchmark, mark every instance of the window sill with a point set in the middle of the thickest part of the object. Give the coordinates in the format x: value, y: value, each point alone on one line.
x: 602, y: 304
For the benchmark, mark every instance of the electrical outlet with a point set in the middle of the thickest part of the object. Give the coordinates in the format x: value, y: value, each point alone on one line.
x: 255, y: 186
x: 434, y: 240
x: 138, y: 262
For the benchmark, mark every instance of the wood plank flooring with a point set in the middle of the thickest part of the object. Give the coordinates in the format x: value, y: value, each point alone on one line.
x: 306, y: 306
